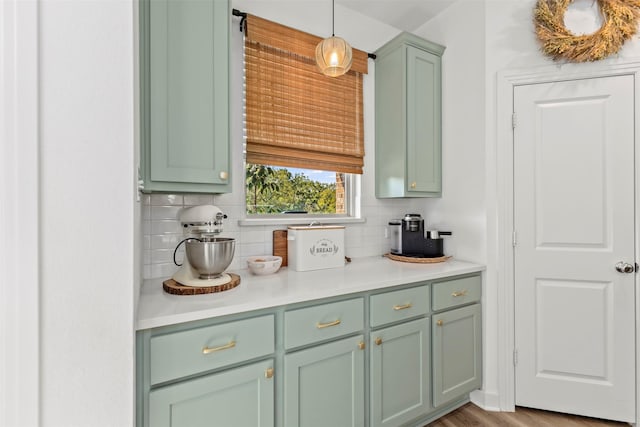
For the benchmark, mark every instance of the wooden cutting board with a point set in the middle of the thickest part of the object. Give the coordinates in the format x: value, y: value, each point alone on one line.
x: 280, y: 245
x: 172, y: 287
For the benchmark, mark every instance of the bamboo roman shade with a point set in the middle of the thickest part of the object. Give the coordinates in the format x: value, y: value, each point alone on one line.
x: 294, y: 115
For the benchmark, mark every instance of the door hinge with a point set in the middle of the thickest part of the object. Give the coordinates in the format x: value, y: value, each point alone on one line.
x: 514, y: 239
x: 515, y: 357
x: 514, y: 120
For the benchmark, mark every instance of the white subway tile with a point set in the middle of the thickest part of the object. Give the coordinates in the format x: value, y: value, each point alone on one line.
x: 251, y: 249
x: 167, y: 200
x: 164, y: 256
x: 146, y: 242
x: 162, y: 231
x: 146, y: 257
x: 163, y: 270
x: 165, y: 241
x: 165, y: 226
x: 254, y: 235
x: 198, y: 199
x: 165, y: 212
x: 145, y: 212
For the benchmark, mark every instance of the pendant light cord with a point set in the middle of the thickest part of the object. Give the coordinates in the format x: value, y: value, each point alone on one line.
x: 333, y: 18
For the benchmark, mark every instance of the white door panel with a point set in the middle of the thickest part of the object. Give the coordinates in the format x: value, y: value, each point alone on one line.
x: 574, y: 218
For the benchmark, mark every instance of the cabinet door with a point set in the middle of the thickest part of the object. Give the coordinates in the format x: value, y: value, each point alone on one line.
x: 187, y: 137
x: 400, y: 373
x: 423, y: 122
x: 238, y: 397
x: 324, y: 385
x: 457, y: 353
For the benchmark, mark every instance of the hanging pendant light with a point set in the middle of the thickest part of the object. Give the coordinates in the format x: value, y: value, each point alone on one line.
x: 333, y: 54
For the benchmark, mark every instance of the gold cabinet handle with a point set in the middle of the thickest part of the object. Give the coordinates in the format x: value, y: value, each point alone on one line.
x: 440, y: 323
x: 413, y: 184
x: 208, y: 350
x: 326, y: 325
x: 268, y: 373
x: 378, y: 341
x: 459, y: 293
x: 224, y: 175
x: 402, y: 307
x: 361, y: 345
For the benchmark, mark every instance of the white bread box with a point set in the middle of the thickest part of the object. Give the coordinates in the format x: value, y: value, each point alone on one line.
x: 315, y: 247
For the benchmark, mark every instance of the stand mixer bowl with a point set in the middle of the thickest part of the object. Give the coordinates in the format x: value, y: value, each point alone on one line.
x: 210, y: 256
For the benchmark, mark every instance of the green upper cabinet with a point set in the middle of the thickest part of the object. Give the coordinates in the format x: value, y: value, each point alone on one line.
x: 408, y: 118
x: 184, y: 46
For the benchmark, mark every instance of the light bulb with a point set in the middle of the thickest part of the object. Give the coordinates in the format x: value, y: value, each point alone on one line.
x: 333, y: 60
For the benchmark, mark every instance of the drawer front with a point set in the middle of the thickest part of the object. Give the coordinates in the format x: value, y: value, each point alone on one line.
x: 456, y: 292
x: 399, y: 305
x: 318, y: 323
x: 184, y: 353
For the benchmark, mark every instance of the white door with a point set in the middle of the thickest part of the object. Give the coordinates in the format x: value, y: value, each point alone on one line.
x: 574, y: 221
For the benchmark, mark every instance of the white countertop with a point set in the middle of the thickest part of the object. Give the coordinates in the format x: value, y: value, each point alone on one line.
x: 157, y: 308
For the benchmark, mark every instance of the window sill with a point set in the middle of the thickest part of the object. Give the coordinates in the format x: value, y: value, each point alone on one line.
x: 295, y: 220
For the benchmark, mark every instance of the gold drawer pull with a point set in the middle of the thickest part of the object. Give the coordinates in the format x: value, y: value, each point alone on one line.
x: 268, y: 373
x: 361, y: 345
x: 413, y: 184
x: 459, y: 293
x: 440, y: 322
x: 378, y: 341
x: 402, y: 307
x: 208, y: 350
x: 326, y: 325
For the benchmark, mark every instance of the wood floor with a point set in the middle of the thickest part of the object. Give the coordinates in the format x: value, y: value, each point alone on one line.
x: 471, y: 415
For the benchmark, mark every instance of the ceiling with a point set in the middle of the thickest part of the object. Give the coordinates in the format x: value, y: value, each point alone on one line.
x: 407, y: 15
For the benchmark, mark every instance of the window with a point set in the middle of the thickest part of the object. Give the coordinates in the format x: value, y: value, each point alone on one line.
x: 299, y: 125
x: 279, y: 190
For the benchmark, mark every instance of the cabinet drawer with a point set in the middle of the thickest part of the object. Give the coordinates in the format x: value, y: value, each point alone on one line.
x: 399, y: 305
x: 184, y: 353
x: 456, y: 292
x: 313, y: 324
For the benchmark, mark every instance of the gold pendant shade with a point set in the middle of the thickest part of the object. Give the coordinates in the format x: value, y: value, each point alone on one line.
x: 334, y: 56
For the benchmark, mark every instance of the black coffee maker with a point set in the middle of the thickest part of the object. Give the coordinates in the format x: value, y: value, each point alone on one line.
x: 408, y: 238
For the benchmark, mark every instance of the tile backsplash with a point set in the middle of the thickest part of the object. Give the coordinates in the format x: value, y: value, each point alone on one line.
x: 162, y: 232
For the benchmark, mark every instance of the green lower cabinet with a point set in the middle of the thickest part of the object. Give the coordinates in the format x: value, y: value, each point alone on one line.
x: 238, y: 397
x: 400, y: 373
x: 324, y: 385
x: 457, y: 353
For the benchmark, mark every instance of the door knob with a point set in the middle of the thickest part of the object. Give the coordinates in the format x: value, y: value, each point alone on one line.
x: 625, y: 267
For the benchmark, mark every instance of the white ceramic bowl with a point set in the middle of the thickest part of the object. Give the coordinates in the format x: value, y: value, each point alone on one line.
x: 262, y: 265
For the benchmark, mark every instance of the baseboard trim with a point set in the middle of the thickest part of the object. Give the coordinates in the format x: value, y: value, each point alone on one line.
x: 485, y: 400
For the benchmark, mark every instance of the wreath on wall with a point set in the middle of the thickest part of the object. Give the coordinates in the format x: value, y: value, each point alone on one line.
x: 620, y: 23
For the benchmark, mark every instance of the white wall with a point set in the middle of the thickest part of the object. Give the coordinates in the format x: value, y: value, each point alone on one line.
x: 462, y: 208
x: 87, y: 213
x: 19, y: 263
x: 162, y: 232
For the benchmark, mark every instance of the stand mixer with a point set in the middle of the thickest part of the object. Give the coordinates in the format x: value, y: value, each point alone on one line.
x: 206, y: 255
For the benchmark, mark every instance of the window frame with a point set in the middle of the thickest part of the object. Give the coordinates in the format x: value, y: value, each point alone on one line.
x: 353, y: 186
